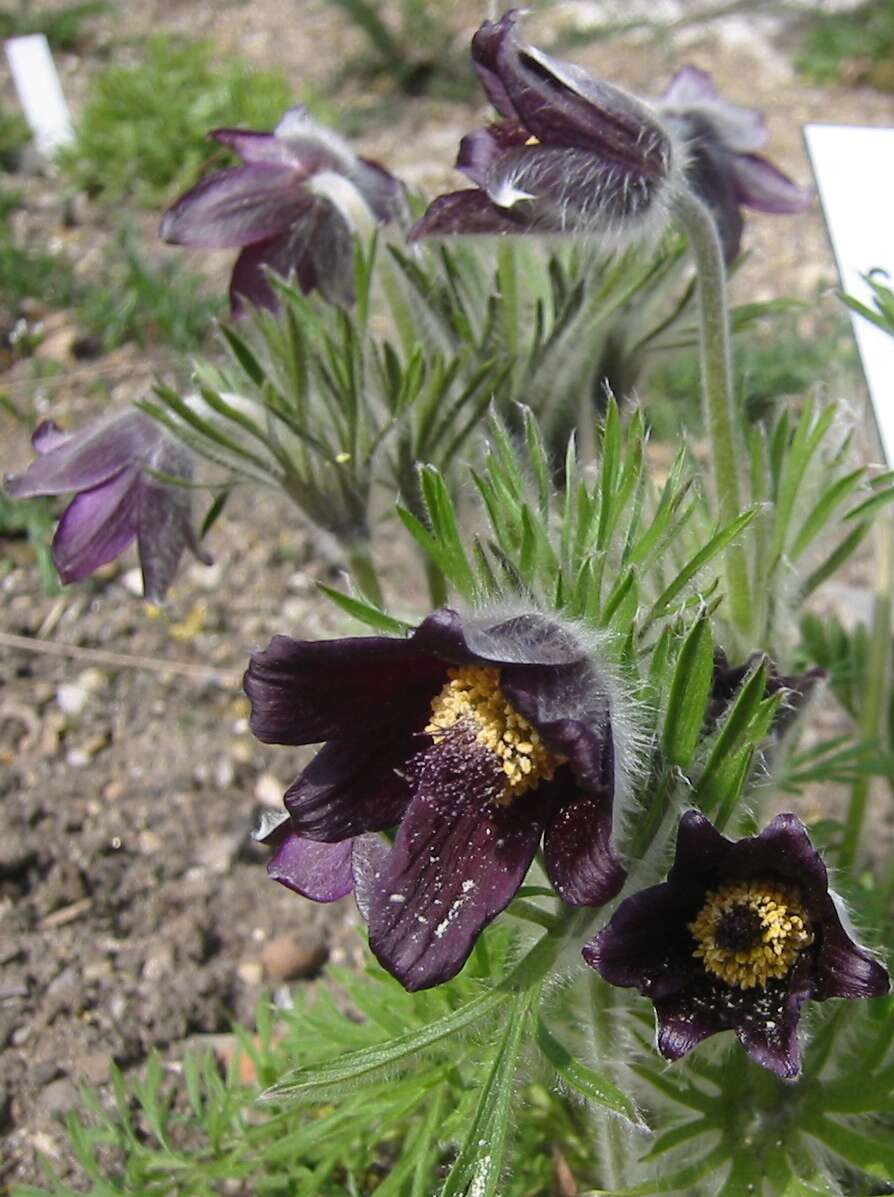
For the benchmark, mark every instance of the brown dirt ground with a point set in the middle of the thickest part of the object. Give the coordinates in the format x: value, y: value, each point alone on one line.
x: 134, y: 909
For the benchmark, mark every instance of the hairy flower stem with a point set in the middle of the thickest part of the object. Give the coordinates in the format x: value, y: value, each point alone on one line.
x: 573, y: 925
x: 877, y: 688
x: 721, y: 418
x: 602, y: 1000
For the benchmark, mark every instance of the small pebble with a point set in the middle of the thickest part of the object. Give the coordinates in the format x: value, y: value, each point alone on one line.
x: 284, y: 959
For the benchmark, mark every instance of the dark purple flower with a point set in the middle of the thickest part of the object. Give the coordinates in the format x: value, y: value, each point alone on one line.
x: 740, y: 935
x: 291, y: 207
x: 723, y: 166
x: 109, y: 465
x: 796, y: 688
x: 477, y: 737
x: 571, y: 154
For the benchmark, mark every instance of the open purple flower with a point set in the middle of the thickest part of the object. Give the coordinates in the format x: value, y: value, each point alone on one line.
x: 571, y: 154
x: 740, y: 935
x: 724, y: 168
x: 478, y: 737
x: 291, y: 207
x: 108, y: 464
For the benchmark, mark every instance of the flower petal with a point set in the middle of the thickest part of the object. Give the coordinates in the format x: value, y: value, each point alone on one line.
x: 307, y: 691
x: 562, y: 105
x: 321, y: 872
x: 454, y: 866
x: 645, y: 944
x: 681, y: 1028
x: 96, y: 527
x: 467, y: 213
x: 766, y: 1022
x: 236, y: 207
x: 253, y: 147
x: 759, y: 184
x: 701, y: 852
x: 48, y: 436
x: 164, y: 520
x: 480, y: 150
x: 352, y: 786
x: 526, y: 639
x: 844, y: 968
x: 580, y: 859
x: 367, y: 860
x: 485, y: 50
x: 709, y: 173
x: 86, y: 458
x: 689, y: 87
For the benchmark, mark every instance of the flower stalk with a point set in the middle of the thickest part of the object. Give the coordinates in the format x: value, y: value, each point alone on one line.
x: 718, y: 394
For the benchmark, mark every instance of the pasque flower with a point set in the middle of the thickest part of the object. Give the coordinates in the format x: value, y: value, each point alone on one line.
x: 477, y: 737
x: 723, y: 167
x: 796, y: 688
x: 740, y: 935
x: 112, y: 465
x: 291, y: 207
x: 571, y: 154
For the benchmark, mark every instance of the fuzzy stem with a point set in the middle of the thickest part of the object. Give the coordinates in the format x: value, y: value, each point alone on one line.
x: 602, y: 999
x: 721, y: 418
x: 877, y: 688
x: 572, y: 925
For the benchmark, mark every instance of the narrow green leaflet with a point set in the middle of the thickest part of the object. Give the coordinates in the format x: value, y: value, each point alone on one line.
x: 689, y: 693
x: 583, y: 1079
x: 477, y: 1169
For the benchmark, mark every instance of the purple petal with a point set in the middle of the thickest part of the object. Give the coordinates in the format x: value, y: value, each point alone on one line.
x: 87, y: 458
x: 321, y: 872
x: 710, y: 175
x: 759, y: 184
x: 766, y: 1022
x: 783, y: 849
x: 701, y: 852
x: 562, y: 105
x: 681, y: 1027
x: 480, y: 150
x: 385, y: 194
x: 253, y: 147
x: 318, y: 247
x: 352, y: 786
x: 367, y: 860
x: 646, y: 944
x: 96, y: 527
x: 164, y: 526
x: 485, y: 48
x: 844, y: 968
x: 580, y: 859
x: 689, y: 87
x: 304, y: 692
x: 466, y: 213
x: 454, y: 866
x: 48, y: 436
x: 526, y: 639
x: 236, y: 207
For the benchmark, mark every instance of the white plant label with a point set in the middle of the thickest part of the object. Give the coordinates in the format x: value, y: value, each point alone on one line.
x: 854, y: 169
x: 40, y: 92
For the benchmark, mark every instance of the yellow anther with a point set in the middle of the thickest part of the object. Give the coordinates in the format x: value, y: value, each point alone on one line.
x: 748, y: 933
x: 472, y: 697
x: 533, y: 141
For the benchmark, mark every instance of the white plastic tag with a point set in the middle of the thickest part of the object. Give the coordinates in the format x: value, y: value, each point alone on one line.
x: 854, y: 168
x: 40, y: 92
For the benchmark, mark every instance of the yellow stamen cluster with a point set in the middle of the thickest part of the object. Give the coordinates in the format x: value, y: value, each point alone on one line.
x: 782, y: 932
x: 472, y: 698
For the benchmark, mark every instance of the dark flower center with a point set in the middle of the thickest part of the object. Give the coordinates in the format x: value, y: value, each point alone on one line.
x: 749, y: 933
x: 472, y: 702
x: 738, y: 928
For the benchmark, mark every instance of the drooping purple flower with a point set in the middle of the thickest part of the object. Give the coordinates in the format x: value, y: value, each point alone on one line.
x: 571, y: 154
x: 796, y: 688
x: 724, y: 168
x: 111, y: 465
x: 291, y: 207
x: 476, y: 737
x: 739, y: 937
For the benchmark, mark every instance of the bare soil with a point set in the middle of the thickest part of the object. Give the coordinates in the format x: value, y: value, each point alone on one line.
x: 135, y: 912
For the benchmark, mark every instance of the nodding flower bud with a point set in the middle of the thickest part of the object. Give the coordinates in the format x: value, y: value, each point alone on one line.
x: 113, y: 465
x: 480, y: 737
x: 572, y: 154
